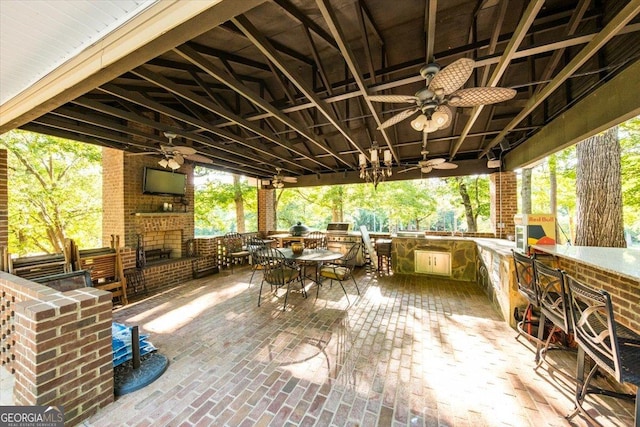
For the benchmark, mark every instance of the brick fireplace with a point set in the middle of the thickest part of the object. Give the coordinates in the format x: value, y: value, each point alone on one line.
x: 163, y: 232
x: 128, y: 212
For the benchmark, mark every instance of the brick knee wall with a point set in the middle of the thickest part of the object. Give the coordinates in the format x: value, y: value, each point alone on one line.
x: 61, y: 347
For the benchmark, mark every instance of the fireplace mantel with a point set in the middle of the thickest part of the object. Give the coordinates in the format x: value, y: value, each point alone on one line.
x: 162, y: 213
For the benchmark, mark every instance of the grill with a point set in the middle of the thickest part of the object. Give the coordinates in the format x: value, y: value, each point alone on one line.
x: 338, y: 227
x: 340, y: 239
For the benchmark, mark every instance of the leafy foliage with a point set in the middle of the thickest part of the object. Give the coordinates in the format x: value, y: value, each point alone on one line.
x: 215, y: 203
x: 54, y: 192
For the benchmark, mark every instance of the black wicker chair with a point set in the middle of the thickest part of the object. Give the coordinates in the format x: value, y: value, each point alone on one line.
x: 234, y: 249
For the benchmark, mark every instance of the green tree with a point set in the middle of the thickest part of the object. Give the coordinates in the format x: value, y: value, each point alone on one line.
x: 223, y: 203
x: 54, y: 193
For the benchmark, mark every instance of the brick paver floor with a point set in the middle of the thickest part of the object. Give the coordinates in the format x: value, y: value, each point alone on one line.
x: 409, y: 351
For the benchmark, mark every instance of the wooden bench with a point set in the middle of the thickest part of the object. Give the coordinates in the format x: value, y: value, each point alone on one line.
x: 33, y: 267
x: 105, y: 268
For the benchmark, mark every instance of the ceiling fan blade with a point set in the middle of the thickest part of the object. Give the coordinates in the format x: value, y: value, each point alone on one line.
x: 145, y: 153
x: 453, y: 76
x: 473, y: 96
x: 393, y: 98
x: 198, y: 158
x: 433, y: 162
x: 408, y: 169
x: 182, y: 149
x: 291, y: 179
x: 426, y: 170
x: 398, y: 118
x: 178, y: 158
x: 445, y: 165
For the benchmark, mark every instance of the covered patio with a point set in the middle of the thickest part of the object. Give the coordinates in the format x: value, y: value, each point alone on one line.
x: 410, y: 351
x: 272, y: 88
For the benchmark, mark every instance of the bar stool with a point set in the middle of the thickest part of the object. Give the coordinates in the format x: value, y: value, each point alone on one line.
x: 613, y: 347
x: 526, y: 280
x: 552, y: 296
x: 383, y: 250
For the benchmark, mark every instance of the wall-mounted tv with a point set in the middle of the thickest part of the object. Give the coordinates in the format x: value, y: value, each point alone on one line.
x: 158, y: 181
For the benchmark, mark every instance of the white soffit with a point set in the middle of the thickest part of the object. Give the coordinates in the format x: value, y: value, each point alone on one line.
x: 37, y: 36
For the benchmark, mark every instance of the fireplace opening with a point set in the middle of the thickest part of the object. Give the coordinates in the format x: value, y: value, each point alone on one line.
x: 159, y: 246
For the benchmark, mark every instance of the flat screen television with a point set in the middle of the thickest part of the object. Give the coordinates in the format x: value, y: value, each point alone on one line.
x: 158, y: 181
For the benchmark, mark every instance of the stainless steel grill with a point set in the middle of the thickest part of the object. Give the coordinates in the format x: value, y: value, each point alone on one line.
x: 340, y: 239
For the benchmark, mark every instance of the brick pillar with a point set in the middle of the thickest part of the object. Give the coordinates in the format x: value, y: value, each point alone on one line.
x: 504, y: 203
x: 113, y: 221
x: 4, y: 201
x: 266, y: 210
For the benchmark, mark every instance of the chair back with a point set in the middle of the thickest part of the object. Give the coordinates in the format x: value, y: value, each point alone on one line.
x: 349, y: 259
x: 316, y: 240
x: 277, y: 270
x: 255, y: 244
x: 233, y: 242
x: 594, y: 326
x: 526, y: 277
x: 552, y: 295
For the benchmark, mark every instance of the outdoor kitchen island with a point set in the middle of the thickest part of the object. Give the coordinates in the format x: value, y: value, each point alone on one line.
x: 451, y: 257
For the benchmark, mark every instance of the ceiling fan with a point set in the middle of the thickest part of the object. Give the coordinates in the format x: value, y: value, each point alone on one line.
x: 427, y: 165
x: 441, y: 92
x: 175, y: 155
x: 279, y: 179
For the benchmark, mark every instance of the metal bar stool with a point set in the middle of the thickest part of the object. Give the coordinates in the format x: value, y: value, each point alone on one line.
x: 613, y: 347
x: 526, y: 280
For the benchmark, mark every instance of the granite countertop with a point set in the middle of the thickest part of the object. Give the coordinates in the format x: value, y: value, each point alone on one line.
x: 501, y: 246
x: 622, y: 261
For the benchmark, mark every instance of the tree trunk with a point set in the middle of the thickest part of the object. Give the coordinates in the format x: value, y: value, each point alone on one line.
x: 599, y: 191
x: 553, y: 192
x: 525, y: 191
x: 468, y: 209
x: 239, y: 201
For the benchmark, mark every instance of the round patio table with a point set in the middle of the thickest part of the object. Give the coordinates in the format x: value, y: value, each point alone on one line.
x: 311, y: 256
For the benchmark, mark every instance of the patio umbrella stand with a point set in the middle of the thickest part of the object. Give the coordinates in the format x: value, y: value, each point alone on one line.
x: 136, y: 362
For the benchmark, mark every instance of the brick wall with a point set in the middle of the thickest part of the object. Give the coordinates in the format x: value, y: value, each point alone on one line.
x: 4, y: 201
x: 504, y: 202
x: 59, y: 346
x: 625, y: 293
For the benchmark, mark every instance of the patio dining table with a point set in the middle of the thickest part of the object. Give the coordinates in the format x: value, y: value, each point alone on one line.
x: 311, y: 256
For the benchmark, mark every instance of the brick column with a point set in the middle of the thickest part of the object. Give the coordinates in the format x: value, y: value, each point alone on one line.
x: 60, y: 350
x: 504, y: 202
x: 266, y: 210
x: 113, y: 221
x: 4, y: 201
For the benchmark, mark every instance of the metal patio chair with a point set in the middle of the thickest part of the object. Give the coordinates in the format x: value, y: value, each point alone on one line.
x: 552, y: 296
x: 613, y: 347
x: 278, y: 272
x: 526, y: 281
x: 342, y: 269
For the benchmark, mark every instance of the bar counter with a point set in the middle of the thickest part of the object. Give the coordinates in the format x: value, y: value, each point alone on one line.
x: 616, y: 270
x: 622, y: 261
